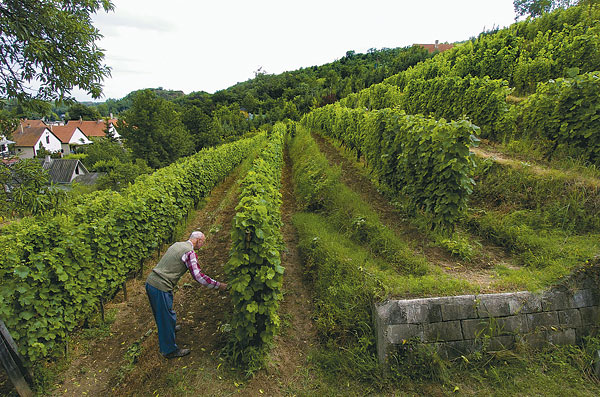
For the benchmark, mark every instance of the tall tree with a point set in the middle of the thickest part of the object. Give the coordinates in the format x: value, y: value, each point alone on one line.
x: 153, y: 130
x: 51, y: 45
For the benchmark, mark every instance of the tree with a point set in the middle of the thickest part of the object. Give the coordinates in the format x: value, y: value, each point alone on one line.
x: 199, y: 124
x: 119, y: 175
x: 153, y: 130
x: 535, y: 8
x: 80, y: 111
x: 50, y: 44
x: 103, y: 149
x: 25, y: 189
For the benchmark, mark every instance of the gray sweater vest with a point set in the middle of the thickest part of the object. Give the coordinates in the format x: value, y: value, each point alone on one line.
x: 170, y: 268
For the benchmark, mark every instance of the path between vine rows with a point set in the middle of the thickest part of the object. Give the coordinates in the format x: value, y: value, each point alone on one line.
x: 97, y: 370
x: 479, y: 271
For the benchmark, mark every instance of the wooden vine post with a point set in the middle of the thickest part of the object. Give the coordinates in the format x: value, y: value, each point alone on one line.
x: 13, y: 363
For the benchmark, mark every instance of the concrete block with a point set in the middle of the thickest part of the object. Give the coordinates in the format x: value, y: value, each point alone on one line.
x: 524, y: 302
x: 556, y: 300
x: 458, y: 307
x: 545, y: 319
x: 561, y: 336
x: 497, y: 343
x: 494, y: 305
x: 512, y: 325
x: 397, y: 333
x: 443, y: 332
x: 434, y: 310
x: 570, y: 318
x: 583, y: 298
x: 413, y: 311
x: 475, y: 328
x: 536, y: 340
x: 590, y: 316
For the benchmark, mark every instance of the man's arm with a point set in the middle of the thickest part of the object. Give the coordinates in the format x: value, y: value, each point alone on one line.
x: 191, y: 261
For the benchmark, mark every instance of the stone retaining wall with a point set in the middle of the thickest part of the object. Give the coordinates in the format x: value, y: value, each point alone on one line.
x: 459, y: 325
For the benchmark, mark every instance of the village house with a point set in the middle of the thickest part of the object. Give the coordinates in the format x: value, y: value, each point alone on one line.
x: 436, y: 47
x: 70, y: 136
x: 31, y: 135
x: 95, y: 129
x: 63, y: 171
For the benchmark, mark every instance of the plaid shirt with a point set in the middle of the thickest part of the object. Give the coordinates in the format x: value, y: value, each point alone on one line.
x: 191, y: 261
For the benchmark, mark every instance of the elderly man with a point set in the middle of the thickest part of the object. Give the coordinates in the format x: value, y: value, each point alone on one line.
x: 179, y: 258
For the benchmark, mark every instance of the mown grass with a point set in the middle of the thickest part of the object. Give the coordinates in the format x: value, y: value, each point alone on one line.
x: 547, y: 220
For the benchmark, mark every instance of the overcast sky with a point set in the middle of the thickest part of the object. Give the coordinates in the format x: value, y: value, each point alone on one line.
x: 212, y: 45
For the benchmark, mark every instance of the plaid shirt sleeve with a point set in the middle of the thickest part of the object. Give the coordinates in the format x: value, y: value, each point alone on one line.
x: 191, y: 261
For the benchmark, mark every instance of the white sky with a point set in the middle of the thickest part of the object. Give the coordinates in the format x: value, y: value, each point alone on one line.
x: 211, y: 45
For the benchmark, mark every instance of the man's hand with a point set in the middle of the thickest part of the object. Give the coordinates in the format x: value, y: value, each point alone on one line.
x: 223, y: 286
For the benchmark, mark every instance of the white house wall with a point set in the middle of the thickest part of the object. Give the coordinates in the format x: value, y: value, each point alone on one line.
x: 49, y: 141
x: 79, y: 138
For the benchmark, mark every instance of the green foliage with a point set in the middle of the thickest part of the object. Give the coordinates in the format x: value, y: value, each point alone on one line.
x: 425, y: 159
x: 79, y: 111
x: 554, y: 200
x: 153, y: 130
x: 318, y: 188
x: 119, y: 175
x: 53, y: 44
x: 566, y: 112
x: 104, y: 150
x: 25, y: 189
x: 55, y: 270
x: 481, y: 100
x: 254, y: 268
x: 524, y: 54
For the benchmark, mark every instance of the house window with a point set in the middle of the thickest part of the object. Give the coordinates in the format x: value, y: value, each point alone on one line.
x: 76, y: 170
x: 48, y: 139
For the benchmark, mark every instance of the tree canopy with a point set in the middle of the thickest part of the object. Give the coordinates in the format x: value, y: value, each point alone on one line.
x: 153, y: 130
x: 48, y: 47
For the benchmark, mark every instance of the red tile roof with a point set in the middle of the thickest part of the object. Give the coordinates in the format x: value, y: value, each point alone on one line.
x: 90, y: 128
x: 29, y: 136
x: 63, y: 132
x: 32, y: 123
x: 436, y: 47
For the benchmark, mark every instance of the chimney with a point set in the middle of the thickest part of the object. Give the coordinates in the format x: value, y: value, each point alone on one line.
x: 436, y: 44
x: 47, y: 159
x: 111, y: 116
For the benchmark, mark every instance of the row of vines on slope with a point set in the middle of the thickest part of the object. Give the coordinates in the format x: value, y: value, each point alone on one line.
x: 428, y: 160
x: 524, y: 54
x: 55, y: 270
x: 254, y: 269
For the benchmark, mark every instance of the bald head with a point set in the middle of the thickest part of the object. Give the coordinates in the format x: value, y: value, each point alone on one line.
x: 197, y: 234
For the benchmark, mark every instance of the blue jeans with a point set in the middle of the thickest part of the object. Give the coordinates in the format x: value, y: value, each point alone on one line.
x: 162, y: 308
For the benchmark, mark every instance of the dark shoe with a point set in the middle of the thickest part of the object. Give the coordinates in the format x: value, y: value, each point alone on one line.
x: 177, y: 328
x: 178, y: 353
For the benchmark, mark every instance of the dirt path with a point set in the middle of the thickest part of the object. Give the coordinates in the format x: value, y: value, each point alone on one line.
x: 297, y: 333
x: 478, y: 271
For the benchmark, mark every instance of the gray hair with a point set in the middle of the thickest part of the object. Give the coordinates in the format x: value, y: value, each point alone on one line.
x: 197, y: 234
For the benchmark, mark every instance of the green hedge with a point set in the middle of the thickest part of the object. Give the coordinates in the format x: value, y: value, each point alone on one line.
x: 254, y: 268
x: 55, y: 270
